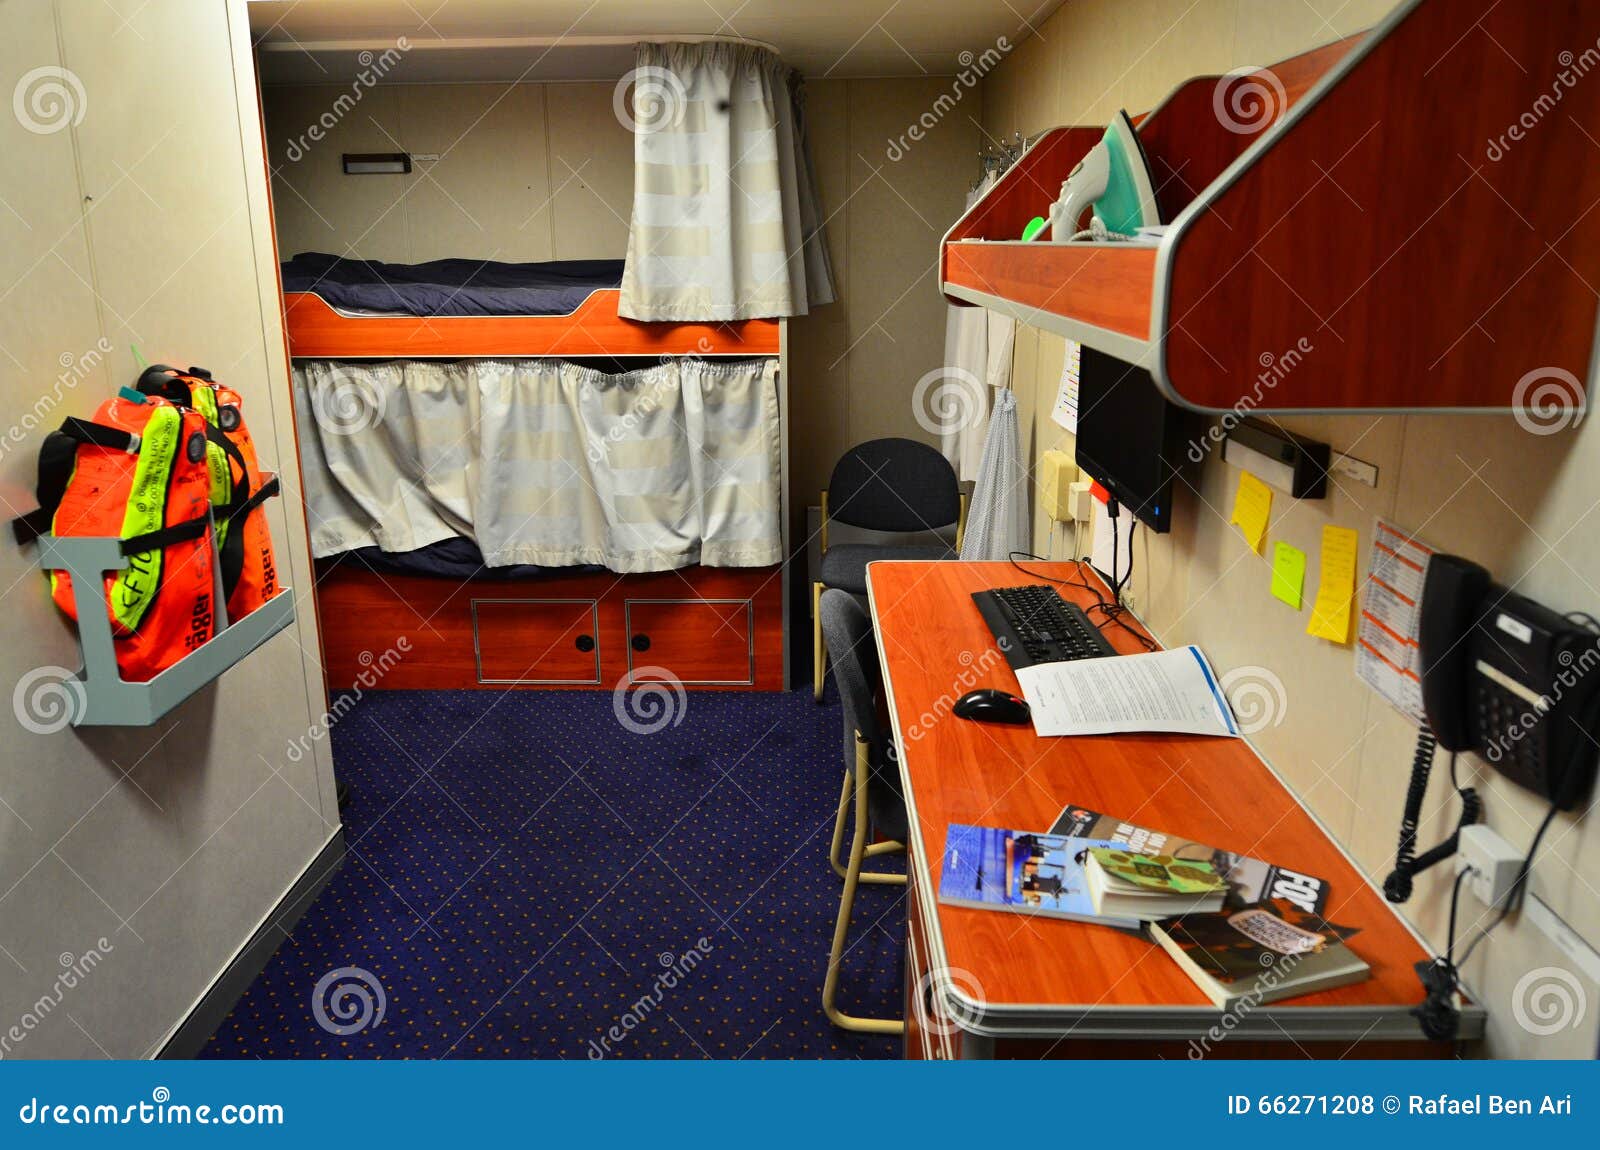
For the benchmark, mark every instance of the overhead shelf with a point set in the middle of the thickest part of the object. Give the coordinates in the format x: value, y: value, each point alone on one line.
x: 1371, y: 225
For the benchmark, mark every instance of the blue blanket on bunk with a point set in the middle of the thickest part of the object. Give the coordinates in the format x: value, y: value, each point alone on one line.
x: 454, y: 558
x: 450, y: 287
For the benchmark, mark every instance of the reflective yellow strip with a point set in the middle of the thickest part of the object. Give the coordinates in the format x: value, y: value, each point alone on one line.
x: 134, y: 587
x: 203, y: 397
x: 221, y: 486
x: 204, y: 400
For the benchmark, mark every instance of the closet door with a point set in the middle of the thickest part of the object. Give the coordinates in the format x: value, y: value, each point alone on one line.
x: 552, y: 641
x: 697, y: 641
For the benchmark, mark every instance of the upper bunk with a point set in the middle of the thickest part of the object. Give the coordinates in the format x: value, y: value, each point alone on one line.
x: 449, y: 309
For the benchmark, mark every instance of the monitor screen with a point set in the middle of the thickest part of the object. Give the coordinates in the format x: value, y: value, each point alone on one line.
x: 1130, y: 439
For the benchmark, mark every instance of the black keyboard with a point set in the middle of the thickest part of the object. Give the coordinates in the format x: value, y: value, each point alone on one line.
x: 1034, y: 624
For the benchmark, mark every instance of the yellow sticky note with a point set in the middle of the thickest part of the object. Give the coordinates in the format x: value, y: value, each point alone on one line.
x: 1252, y: 507
x: 1330, y: 613
x: 1288, y: 573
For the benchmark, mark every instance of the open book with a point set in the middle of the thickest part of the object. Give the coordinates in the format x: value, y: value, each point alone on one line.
x: 1172, y: 691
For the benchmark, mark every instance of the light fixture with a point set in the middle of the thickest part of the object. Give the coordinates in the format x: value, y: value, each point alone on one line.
x: 377, y: 163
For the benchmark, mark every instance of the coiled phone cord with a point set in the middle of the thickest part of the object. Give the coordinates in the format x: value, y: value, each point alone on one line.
x: 1407, y: 864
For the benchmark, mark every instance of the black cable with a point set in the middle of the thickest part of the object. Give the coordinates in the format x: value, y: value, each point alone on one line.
x: 1455, y: 902
x: 1113, y: 612
x: 1441, y: 977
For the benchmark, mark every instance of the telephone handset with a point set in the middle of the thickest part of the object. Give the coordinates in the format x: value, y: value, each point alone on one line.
x: 1505, y: 677
x: 1510, y: 679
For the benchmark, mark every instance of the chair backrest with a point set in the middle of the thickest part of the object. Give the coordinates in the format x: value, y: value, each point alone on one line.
x: 894, y: 485
x: 848, y: 633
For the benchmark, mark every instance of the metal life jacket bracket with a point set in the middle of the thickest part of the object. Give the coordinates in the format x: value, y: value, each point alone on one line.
x: 97, y: 696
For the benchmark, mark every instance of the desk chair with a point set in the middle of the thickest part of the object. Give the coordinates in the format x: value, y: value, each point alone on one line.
x: 870, y: 773
x: 892, y: 485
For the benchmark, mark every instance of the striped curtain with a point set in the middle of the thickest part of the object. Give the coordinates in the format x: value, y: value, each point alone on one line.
x: 726, y: 223
x: 544, y: 461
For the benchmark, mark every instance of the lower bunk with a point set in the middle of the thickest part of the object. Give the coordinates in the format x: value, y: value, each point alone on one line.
x: 699, y: 627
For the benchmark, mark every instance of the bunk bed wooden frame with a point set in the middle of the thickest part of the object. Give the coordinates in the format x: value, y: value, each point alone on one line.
x: 703, y: 627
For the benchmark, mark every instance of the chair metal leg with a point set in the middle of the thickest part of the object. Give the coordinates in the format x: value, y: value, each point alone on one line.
x: 883, y: 848
x: 841, y: 926
x: 819, y: 652
x: 838, y: 825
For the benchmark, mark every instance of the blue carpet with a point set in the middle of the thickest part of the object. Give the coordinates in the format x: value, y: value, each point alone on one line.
x: 529, y: 879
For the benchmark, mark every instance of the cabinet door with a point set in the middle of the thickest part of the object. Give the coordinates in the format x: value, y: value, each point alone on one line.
x: 695, y: 640
x: 537, y: 640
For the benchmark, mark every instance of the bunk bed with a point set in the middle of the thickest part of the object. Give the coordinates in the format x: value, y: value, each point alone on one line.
x: 459, y: 623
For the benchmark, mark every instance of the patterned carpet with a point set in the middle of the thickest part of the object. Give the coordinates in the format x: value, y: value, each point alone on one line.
x: 528, y: 878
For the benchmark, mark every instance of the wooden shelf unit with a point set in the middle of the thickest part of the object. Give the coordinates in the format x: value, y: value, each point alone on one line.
x: 1352, y: 228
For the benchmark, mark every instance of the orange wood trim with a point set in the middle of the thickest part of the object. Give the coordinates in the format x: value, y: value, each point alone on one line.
x: 1029, y: 187
x: 364, y: 615
x: 1427, y: 258
x: 1185, y: 138
x: 1107, y: 286
x: 317, y: 331
x: 1216, y: 790
x: 1209, y: 121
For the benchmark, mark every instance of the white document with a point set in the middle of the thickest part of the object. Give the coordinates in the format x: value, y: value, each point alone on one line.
x: 1171, y: 691
x: 1387, y: 656
x: 1066, y: 410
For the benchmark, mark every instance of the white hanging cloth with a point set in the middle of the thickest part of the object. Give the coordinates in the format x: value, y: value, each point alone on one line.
x: 977, y: 358
x: 997, y: 523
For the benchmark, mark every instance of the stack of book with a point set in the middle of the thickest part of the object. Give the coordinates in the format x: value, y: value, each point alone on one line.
x: 1241, y: 928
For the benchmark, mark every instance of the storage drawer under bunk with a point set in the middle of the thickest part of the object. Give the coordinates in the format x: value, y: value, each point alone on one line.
x: 706, y: 627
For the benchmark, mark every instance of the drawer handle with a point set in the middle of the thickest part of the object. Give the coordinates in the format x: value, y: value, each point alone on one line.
x: 640, y: 642
x: 584, y: 643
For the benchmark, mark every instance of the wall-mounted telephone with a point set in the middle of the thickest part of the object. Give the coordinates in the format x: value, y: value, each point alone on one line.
x: 1509, y: 679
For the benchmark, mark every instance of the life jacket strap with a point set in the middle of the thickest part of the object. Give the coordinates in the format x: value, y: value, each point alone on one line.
x: 266, y: 491
x: 166, y: 536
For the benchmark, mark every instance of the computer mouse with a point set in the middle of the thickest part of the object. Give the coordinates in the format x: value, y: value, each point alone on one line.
x: 988, y: 705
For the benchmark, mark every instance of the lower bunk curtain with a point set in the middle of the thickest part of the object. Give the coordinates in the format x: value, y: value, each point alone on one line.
x: 544, y: 461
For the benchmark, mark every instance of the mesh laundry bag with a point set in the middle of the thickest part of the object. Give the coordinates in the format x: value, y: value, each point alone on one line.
x: 998, y: 521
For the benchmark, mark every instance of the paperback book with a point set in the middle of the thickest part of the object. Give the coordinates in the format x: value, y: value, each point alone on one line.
x: 993, y: 868
x: 1124, y: 882
x: 1261, y: 953
x: 1250, y: 880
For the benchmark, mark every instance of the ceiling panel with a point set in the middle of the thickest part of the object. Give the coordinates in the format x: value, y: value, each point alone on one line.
x: 499, y: 40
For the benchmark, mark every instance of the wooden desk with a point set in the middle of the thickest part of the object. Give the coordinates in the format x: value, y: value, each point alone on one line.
x: 984, y: 984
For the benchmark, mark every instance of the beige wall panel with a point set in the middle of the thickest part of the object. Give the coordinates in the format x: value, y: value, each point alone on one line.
x: 819, y: 343
x: 898, y: 211
x: 167, y: 841
x: 318, y: 207
x: 1269, y: 30
x: 591, y: 172
x: 474, y: 129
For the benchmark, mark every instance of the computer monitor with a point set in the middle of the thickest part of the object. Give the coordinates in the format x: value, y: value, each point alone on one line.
x: 1130, y: 439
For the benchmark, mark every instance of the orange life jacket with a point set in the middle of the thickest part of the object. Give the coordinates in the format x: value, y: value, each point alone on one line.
x: 138, y: 471
x: 249, y: 574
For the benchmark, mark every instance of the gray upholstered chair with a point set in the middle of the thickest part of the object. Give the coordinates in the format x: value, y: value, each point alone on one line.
x: 891, y: 485
x: 870, y: 775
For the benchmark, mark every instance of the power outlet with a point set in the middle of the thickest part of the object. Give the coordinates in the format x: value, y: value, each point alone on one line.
x: 1081, y: 501
x: 1491, y: 859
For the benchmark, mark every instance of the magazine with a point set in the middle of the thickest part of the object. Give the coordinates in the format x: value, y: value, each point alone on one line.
x: 992, y: 868
x: 1250, y: 880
